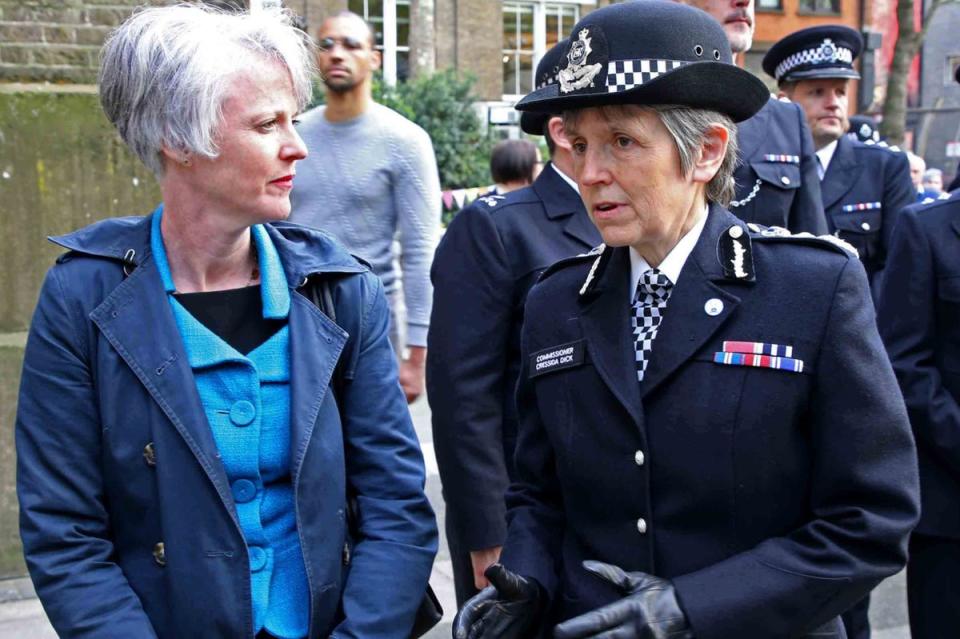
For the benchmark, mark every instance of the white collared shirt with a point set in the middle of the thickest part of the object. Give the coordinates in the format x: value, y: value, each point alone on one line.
x: 566, y: 178
x: 672, y: 263
x: 826, y: 154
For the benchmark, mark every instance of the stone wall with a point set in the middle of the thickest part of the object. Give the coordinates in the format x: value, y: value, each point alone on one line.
x: 61, y: 167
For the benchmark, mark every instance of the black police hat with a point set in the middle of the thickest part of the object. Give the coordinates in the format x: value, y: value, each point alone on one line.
x: 650, y: 52
x: 550, y: 64
x: 864, y: 128
x: 815, y: 53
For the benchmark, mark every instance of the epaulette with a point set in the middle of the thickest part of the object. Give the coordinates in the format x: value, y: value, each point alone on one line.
x: 569, y: 261
x: 490, y: 200
x: 945, y: 195
x: 882, y: 145
x: 776, y: 233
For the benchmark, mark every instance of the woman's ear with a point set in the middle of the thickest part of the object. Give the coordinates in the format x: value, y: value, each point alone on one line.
x: 555, y: 127
x: 713, y: 149
x: 175, y: 156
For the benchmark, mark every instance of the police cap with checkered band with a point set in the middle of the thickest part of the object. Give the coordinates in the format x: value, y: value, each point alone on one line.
x: 550, y: 64
x: 649, y: 52
x: 815, y: 53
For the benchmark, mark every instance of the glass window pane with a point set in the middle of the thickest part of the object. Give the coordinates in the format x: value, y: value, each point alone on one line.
x: 525, y: 78
x: 509, y: 74
x: 553, y: 26
x: 509, y: 28
x: 357, y: 7
x: 526, y: 29
x: 374, y: 9
x: 403, y: 33
x: 403, y: 65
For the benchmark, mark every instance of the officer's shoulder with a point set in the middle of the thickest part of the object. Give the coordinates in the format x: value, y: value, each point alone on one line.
x: 574, y: 265
x: 948, y: 204
x: 869, y: 147
x: 496, y: 205
x: 777, y: 239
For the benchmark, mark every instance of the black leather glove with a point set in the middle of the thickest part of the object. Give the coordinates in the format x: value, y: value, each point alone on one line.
x: 649, y: 609
x: 508, y: 609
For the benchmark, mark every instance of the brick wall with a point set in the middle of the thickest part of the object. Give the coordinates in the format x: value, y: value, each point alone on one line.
x: 60, y: 40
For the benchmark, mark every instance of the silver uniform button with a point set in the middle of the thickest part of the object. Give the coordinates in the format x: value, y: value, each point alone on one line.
x: 714, y: 306
x: 639, y: 458
x: 785, y: 180
x: 642, y: 526
x: 865, y: 226
x: 735, y: 232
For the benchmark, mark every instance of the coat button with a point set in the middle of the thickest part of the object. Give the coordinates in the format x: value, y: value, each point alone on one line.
x: 159, y: 554
x: 258, y: 558
x: 865, y: 226
x: 639, y: 458
x: 150, y: 454
x: 642, y: 526
x: 244, y: 490
x: 242, y: 413
x: 785, y: 180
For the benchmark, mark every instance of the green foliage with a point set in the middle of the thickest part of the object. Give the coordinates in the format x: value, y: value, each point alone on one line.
x: 442, y: 104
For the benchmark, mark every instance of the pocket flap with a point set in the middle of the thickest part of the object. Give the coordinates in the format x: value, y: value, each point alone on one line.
x: 779, y: 174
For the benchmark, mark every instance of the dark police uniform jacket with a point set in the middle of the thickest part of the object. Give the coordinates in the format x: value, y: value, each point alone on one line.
x: 864, y: 189
x: 919, y: 319
x: 774, y: 500
x: 489, y: 257
x: 777, y: 182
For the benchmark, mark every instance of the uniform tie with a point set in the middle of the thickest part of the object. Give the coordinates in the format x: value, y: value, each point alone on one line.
x: 820, y: 169
x: 649, y: 302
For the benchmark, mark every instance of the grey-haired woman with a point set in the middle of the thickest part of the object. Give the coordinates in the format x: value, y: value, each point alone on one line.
x: 190, y: 424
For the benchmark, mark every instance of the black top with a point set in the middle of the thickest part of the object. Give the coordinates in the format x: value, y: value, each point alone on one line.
x: 235, y: 315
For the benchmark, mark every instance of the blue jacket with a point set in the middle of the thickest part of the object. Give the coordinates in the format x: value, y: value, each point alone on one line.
x: 128, y: 521
x: 774, y: 500
x: 919, y: 318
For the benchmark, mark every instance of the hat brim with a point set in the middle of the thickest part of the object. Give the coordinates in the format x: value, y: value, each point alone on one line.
x: 821, y: 74
x: 702, y: 85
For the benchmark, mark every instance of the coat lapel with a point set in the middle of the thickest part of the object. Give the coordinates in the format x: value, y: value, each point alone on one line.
x: 137, y: 320
x: 841, y: 173
x: 606, y: 324
x: 315, y: 347
x: 560, y: 201
x: 687, y: 326
x: 751, y: 133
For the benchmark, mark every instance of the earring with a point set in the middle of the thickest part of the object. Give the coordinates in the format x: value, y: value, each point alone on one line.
x: 186, y: 161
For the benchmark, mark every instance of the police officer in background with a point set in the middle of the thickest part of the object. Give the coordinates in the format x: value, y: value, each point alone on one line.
x: 919, y: 318
x: 490, y: 256
x: 777, y: 183
x: 690, y: 393
x: 864, y: 185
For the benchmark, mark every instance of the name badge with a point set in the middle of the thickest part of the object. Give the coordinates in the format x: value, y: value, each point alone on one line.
x: 557, y: 358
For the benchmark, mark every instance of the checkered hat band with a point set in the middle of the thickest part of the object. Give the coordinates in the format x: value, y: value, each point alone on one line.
x: 812, y: 57
x: 546, y: 81
x: 623, y: 75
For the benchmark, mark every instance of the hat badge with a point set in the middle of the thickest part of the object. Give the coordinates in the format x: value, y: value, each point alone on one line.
x: 578, y: 73
x: 828, y: 51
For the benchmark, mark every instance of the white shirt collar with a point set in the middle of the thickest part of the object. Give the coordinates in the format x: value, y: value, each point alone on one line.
x: 672, y: 263
x: 566, y: 178
x: 826, y: 154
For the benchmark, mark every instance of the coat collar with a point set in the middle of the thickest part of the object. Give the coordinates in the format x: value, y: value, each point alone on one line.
x: 302, y: 251
x: 686, y: 327
x: 753, y: 131
x: 841, y: 173
x: 561, y: 201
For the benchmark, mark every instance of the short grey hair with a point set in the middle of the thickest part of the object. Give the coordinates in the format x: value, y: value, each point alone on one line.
x: 688, y: 126
x: 165, y: 72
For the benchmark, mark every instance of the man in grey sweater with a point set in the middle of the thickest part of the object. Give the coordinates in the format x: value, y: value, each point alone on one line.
x: 371, y: 173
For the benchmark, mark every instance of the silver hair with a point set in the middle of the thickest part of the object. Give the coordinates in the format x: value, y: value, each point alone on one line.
x: 165, y: 72
x: 688, y: 127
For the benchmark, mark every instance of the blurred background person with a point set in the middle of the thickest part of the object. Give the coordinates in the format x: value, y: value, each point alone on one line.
x: 183, y: 465
x: 514, y: 164
x: 917, y: 168
x: 933, y: 182
x: 376, y: 179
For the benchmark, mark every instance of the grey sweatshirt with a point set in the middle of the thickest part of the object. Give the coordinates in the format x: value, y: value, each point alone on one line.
x: 366, y: 179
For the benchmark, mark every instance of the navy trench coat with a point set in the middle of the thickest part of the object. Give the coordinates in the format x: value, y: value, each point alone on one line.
x: 115, y: 455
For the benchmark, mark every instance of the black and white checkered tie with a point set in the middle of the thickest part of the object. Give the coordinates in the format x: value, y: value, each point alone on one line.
x: 649, y: 302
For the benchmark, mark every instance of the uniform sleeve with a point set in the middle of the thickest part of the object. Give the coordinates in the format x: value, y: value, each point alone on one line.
x: 397, y: 530
x: 806, y: 212
x: 466, y: 369
x: 64, y: 523
x: 898, y: 194
x: 907, y: 320
x: 417, y: 199
x: 535, y: 514
x: 863, y: 496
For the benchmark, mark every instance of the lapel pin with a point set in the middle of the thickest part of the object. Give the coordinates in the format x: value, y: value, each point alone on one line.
x: 713, y: 307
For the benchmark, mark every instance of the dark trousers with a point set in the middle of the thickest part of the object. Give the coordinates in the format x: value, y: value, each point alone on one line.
x: 933, y: 598
x: 460, y: 560
x: 856, y: 620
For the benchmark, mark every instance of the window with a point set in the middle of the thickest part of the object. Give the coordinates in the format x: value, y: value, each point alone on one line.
x: 953, y: 63
x: 529, y: 30
x: 829, y: 7
x: 390, y: 20
x: 769, y: 5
